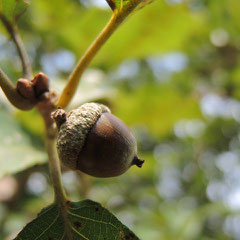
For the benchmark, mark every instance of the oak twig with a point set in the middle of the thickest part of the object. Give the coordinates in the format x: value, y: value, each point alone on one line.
x: 55, y: 171
x: 119, y: 15
x: 13, y: 32
x: 46, y: 106
x: 12, y: 94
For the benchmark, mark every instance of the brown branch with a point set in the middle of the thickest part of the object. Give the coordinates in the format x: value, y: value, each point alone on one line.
x: 46, y: 105
x: 12, y: 94
x: 13, y: 32
x: 54, y: 163
x: 55, y: 171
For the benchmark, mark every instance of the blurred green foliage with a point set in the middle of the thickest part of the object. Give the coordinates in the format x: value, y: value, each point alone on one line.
x: 174, y: 68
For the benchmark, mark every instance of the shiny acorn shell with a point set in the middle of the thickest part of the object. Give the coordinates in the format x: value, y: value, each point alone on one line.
x: 95, y: 142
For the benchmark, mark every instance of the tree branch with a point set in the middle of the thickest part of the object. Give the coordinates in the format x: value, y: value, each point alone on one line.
x: 117, y: 18
x: 54, y: 165
x: 12, y: 94
x: 55, y: 171
x: 13, y: 32
x: 46, y: 106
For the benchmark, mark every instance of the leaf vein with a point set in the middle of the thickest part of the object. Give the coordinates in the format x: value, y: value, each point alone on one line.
x: 48, y: 227
x: 79, y: 233
x: 93, y: 220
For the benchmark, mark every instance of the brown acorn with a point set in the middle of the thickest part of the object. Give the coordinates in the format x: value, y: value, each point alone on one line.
x: 95, y: 142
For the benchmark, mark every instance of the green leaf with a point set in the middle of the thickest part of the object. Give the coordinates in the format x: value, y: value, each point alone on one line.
x: 145, y: 2
x: 20, y: 8
x: 88, y: 219
x: 12, y: 9
x: 121, y: 4
x: 16, y: 150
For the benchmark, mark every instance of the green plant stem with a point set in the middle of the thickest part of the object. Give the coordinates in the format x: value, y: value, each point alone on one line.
x: 12, y: 94
x: 55, y: 171
x: 13, y: 32
x: 68, y: 92
x: 71, y: 86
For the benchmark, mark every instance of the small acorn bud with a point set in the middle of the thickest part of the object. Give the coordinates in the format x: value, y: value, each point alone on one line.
x: 33, y: 90
x: 95, y: 142
x: 25, y: 88
x: 40, y: 84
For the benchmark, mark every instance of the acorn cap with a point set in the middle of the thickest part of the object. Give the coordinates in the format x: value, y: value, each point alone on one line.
x: 74, y: 130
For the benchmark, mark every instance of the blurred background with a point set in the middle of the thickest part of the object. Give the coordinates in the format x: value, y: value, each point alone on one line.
x: 172, y: 73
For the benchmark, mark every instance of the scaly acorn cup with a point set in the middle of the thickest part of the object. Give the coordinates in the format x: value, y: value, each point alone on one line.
x: 95, y: 142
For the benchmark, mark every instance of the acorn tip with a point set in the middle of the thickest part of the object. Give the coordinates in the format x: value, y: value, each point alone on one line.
x: 138, y: 161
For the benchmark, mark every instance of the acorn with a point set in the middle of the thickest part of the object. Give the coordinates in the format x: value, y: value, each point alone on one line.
x: 94, y: 141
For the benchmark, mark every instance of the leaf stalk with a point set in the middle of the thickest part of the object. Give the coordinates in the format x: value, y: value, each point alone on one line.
x: 119, y: 15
